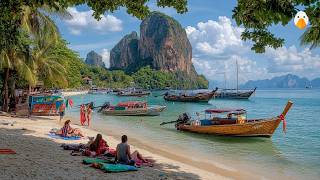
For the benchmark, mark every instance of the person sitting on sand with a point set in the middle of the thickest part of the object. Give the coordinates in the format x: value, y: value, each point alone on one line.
x: 123, y: 154
x: 99, y: 145
x: 68, y: 131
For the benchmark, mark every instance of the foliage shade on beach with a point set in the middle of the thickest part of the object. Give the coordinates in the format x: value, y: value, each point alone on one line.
x: 258, y: 15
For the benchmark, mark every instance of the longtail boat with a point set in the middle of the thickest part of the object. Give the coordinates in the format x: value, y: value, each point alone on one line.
x: 134, y: 92
x: 234, y: 94
x: 133, y: 108
x: 234, y: 124
x: 190, y: 97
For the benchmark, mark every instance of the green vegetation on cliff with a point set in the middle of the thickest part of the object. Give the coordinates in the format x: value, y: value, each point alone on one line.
x: 154, y: 79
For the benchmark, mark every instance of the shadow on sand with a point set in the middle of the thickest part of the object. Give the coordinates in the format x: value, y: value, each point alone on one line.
x: 42, y: 158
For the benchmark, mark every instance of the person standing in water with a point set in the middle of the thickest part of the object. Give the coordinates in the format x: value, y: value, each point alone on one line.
x: 89, y: 114
x: 82, y: 115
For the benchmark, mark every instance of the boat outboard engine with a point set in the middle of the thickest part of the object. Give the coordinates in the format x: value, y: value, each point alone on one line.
x: 104, y: 106
x: 183, y: 119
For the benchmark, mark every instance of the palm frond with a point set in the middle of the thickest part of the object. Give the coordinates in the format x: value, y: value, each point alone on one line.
x: 311, y: 37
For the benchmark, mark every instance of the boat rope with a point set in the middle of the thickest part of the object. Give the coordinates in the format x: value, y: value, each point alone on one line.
x: 284, y: 123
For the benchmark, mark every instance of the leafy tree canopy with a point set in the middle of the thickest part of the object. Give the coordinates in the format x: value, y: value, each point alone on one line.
x: 257, y: 15
x: 12, y: 11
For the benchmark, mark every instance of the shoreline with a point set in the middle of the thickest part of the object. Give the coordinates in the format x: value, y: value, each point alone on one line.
x: 74, y: 93
x: 40, y: 126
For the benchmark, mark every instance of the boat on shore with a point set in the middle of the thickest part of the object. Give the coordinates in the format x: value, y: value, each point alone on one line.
x: 134, y: 92
x: 189, y: 97
x: 234, y: 124
x: 234, y: 94
x: 46, y: 104
x: 132, y: 108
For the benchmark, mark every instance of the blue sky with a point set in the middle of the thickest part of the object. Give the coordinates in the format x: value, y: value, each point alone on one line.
x: 214, y: 36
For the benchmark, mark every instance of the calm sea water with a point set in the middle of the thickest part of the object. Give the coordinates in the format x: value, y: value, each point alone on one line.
x: 295, y: 154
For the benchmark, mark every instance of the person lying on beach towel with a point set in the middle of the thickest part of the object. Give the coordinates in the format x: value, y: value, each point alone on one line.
x: 68, y: 131
x: 99, y: 147
x: 124, y: 156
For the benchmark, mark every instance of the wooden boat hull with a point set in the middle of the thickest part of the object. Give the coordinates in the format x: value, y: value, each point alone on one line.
x: 200, y: 97
x: 263, y: 127
x: 152, y: 111
x: 234, y: 95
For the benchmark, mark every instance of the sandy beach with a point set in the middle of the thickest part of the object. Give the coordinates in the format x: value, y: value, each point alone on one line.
x: 41, y: 157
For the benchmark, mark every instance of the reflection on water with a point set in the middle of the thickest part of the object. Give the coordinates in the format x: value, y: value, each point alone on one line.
x: 292, y: 155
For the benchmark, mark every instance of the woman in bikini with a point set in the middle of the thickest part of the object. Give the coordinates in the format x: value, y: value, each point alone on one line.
x: 89, y: 114
x: 68, y: 131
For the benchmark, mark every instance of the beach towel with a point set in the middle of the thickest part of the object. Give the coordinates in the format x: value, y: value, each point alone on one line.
x: 107, y: 167
x: 55, y: 136
x: 97, y: 160
x: 7, y: 151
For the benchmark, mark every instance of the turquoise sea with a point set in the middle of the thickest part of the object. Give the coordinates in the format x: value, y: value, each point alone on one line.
x: 294, y: 155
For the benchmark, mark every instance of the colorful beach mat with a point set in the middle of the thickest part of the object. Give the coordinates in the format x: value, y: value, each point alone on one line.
x: 95, y: 160
x: 7, y: 151
x: 52, y: 135
x: 107, y: 167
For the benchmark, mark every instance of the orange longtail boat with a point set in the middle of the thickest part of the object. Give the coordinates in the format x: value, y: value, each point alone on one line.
x: 235, y: 124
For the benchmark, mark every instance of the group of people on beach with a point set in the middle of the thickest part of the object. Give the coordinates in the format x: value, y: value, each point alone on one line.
x: 85, y: 114
x: 99, y: 147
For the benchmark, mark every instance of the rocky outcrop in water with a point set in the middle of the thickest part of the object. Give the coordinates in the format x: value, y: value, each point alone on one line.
x: 94, y: 59
x: 163, y: 44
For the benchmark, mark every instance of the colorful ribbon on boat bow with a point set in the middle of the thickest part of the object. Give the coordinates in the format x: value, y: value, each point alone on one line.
x: 284, y: 123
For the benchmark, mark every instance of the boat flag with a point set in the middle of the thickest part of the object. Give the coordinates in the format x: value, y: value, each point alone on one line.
x: 69, y: 102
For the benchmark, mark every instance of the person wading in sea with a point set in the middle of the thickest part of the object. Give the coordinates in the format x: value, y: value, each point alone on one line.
x: 89, y: 114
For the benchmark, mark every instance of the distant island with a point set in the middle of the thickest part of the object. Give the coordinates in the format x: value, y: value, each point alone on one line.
x: 285, y: 81
x: 94, y: 59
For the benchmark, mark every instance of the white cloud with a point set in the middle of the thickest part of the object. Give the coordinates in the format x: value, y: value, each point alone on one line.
x: 217, y: 45
x: 292, y: 60
x: 215, y: 37
x: 217, y: 69
x: 82, y: 20
x: 105, y: 53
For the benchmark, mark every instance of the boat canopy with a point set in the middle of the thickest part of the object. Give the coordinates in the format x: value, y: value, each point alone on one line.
x: 131, y: 103
x: 230, y: 111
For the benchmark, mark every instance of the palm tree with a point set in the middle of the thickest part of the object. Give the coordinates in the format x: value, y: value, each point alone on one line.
x: 34, y: 59
x: 16, y: 60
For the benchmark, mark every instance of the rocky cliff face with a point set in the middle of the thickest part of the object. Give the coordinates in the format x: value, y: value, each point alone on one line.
x: 163, y: 44
x: 125, y: 52
x: 94, y: 59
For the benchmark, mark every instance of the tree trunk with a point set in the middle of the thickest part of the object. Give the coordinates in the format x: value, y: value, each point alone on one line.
x: 5, y: 107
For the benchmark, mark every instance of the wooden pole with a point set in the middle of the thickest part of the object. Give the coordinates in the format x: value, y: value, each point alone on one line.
x: 287, y: 108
